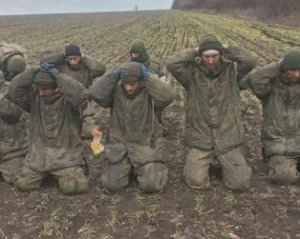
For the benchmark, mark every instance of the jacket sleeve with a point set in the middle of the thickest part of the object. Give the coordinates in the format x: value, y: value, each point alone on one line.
x: 259, y: 80
x: 20, y: 89
x: 245, y: 59
x: 56, y: 59
x: 9, y: 111
x: 180, y: 66
x: 96, y: 67
x: 73, y: 91
x: 103, y: 89
x: 160, y: 91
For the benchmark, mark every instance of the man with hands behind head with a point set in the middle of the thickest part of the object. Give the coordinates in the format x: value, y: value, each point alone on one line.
x: 135, y: 136
x: 277, y: 85
x: 210, y: 75
x: 54, y: 101
x: 84, y: 69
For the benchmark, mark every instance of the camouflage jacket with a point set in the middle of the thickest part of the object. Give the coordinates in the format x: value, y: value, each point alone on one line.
x: 281, y: 110
x: 13, y: 135
x: 213, y: 118
x: 89, y: 69
x: 134, y: 127
x: 55, y: 124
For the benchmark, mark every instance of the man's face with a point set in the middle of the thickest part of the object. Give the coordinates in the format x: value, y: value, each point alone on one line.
x: 293, y: 75
x: 134, y: 55
x: 132, y: 87
x: 73, y: 61
x: 211, y: 60
x: 46, y: 92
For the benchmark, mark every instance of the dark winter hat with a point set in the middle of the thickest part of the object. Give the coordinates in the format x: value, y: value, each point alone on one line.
x: 210, y: 43
x: 290, y: 61
x: 44, y: 80
x: 15, y: 64
x: 131, y: 71
x: 72, y: 50
x: 138, y: 46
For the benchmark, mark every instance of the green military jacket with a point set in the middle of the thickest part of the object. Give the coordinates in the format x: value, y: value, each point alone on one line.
x: 281, y: 110
x: 134, y: 127
x: 13, y: 135
x: 55, y: 124
x: 213, y: 119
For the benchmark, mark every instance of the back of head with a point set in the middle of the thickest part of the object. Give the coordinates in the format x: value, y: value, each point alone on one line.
x: 131, y: 71
x: 72, y: 50
x: 208, y: 43
x: 12, y: 60
x: 15, y: 64
x: 290, y: 61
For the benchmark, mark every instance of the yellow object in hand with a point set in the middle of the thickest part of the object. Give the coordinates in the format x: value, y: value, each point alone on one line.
x: 96, y: 145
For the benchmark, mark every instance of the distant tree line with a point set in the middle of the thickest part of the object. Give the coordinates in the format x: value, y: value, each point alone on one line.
x: 270, y: 7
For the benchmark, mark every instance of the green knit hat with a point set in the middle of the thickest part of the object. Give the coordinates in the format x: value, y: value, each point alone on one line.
x: 210, y: 43
x: 138, y: 46
x: 290, y: 61
x: 131, y: 71
x: 44, y: 80
x: 15, y: 64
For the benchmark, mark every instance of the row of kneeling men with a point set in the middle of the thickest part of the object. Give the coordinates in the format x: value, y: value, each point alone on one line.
x: 57, y: 96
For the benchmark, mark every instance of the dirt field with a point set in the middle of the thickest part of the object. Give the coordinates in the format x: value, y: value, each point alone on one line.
x: 266, y: 211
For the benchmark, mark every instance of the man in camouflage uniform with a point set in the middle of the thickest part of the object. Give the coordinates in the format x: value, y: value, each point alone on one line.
x: 277, y: 85
x: 135, y: 135
x: 54, y: 102
x: 84, y: 69
x: 210, y: 76
x: 13, y: 135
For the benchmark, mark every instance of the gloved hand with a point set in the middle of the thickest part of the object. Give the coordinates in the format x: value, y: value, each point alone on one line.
x: 117, y: 73
x: 145, y: 72
x: 50, y: 68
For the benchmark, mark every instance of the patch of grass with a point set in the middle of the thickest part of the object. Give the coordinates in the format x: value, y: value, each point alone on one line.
x: 177, y: 235
x: 137, y: 215
x: 113, y: 221
x: 199, y: 206
x: 139, y: 197
x: 230, y: 198
x: 42, y: 204
x: 152, y: 211
x: 281, y: 211
x: 86, y: 232
x: 2, y: 234
x: 104, y: 236
x: 53, y: 226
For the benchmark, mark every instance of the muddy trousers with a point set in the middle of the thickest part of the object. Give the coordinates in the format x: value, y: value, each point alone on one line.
x: 236, y: 172
x: 71, y: 180
x: 283, y: 169
x: 151, y: 176
x: 10, y: 169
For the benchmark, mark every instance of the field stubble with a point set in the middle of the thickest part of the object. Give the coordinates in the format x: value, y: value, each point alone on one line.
x: 266, y: 211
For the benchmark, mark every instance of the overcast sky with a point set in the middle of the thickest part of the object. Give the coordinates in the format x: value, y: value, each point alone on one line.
x: 9, y: 7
